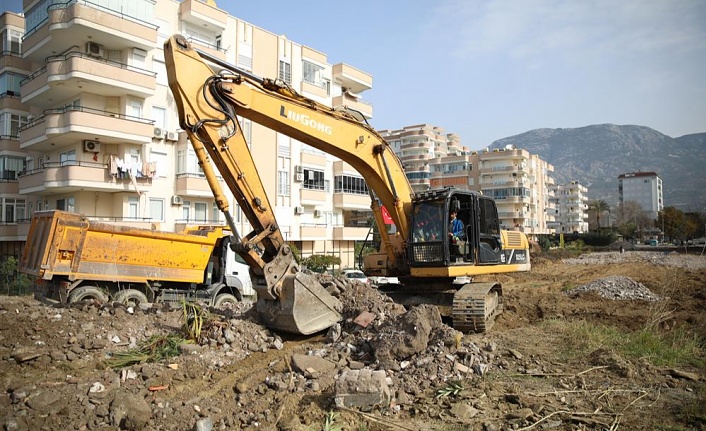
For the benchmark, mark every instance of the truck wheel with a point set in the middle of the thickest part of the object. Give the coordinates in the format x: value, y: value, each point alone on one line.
x: 87, y: 292
x: 225, y: 300
x: 130, y: 297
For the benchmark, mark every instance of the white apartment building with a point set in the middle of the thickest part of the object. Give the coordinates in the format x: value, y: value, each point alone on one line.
x: 570, y: 208
x: 645, y: 188
x: 88, y: 123
x: 520, y: 182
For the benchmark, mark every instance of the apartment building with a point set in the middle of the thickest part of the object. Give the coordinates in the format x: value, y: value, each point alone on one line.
x: 519, y: 182
x: 645, y: 188
x: 418, y: 146
x: 89, y: 123
x: 570, y: 208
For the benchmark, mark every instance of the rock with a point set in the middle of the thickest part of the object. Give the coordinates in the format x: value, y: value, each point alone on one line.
x: 407, y: 335
x: 43, y: 401
x: 364, y: 319
x: 241, y: 387
x: 189, y: 348
x: 205, y: 424
x: 312, y: 365
x: 21, y: 356
x: 684, y: 375
x: 356, y: 365
x: 463, y: 411
x: 362, y: 389
x: 333, y: 333
x: 515, y: 353
x: 129, y: 412
x: 521, y: 414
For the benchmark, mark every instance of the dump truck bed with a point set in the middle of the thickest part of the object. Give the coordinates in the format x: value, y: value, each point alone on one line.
x: 67, y: 244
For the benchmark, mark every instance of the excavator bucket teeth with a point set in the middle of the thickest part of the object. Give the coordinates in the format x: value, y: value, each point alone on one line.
x: 476, y: 305
x: 304, y: 306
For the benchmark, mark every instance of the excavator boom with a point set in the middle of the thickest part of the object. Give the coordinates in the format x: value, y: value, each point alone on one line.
x: 288, y: 299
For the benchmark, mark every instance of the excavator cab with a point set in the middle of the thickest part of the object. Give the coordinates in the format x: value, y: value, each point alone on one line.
x: 434, y: 242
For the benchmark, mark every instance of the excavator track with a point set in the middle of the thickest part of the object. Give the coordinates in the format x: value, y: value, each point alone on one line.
x: 476, y: 305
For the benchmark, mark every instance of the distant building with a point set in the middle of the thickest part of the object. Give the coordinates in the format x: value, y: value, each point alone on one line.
x: 645, y: 188
x: 570, y: 208
x: 518, y: 181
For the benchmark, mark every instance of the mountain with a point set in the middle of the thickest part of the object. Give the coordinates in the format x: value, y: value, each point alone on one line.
x: 596, y: 155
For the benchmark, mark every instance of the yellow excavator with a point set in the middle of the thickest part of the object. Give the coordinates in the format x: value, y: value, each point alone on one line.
x: 422, y: 253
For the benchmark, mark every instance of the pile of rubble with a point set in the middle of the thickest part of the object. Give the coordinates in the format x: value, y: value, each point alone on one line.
x: 615, y: 288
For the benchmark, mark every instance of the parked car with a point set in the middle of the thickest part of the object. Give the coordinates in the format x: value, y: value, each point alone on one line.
x: 356, y: 274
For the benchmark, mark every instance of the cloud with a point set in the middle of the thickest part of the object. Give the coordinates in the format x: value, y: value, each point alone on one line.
x: 533, y: 30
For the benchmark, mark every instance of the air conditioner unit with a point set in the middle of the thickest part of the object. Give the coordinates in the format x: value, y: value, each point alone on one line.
x: 94, y: 49
x: 298, y: 210
x: 298, y: 177
x: 172, y: 136
x: 176, y: 200
x: 158, y: 133
x: 299, y: 169
x: 91, y: 146
x: 317, y: 213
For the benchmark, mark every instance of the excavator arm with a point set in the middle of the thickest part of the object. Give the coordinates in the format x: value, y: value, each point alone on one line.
x: 288, y: 299
x: 218, y: 98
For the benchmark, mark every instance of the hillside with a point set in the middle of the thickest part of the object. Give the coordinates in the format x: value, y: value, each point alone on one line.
x: 596, y: 155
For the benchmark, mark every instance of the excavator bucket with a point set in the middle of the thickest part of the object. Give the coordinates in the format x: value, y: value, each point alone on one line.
x: 303, y: 307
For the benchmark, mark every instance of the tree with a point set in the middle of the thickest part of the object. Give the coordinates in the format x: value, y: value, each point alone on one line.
x: 631, y: 219
x: 677, y: 225
x: 320, y: 262
x: 596, y: 209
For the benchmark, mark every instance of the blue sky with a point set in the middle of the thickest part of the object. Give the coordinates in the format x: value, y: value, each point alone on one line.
x: 489, y: 69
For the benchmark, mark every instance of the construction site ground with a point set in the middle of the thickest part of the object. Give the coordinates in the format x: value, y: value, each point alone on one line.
x: 601, y: 341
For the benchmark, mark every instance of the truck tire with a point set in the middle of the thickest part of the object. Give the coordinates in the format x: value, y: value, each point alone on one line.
x: 130, y: 297
x: 225, y: 300
x: 87, y: 292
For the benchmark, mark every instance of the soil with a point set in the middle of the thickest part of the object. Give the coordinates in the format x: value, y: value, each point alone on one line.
x: 529, y: 372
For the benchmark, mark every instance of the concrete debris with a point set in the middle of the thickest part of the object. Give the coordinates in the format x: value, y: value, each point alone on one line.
x: 616, y: 288
x: 362, y: 389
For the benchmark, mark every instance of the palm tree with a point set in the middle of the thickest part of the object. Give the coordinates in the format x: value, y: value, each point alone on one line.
x: 599, y: 207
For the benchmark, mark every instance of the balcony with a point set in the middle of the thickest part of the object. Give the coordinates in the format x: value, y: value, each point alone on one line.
x: 11, y: 101
x: 72, y: 176
x: 14, y: 61
x: 354, y: 103
x: 312, y: 232
x: 67, y: 76
x: 312, y: 197
x: 194, y: 185
x: 82, y: 21
x: 66, y: 126
x: 352, y: 79
x: 351, y: 201
x: 343, y: 233
x: 208, y: 48
x: 203, y: 15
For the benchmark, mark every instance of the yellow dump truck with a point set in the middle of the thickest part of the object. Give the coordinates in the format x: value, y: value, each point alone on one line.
x: 74, y: 258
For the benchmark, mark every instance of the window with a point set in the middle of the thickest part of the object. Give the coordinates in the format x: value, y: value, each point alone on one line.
x: 159, y: 115
x: 160, y: 161
x: 160, y: 69
x: 312, y: 73
x: 13, y: 210
x: 134, y: 109
x: 11, y: 41
x: 133, y: 204
x: 10, y: 124
x: 285, y: 72
x: 157, y: 209
x: 10, y: 167
x: 185, y: 210
x: 200, y: 211
x: 283, y: 185
x: 246, y: 126
x: 138, y: 58
x: 10, y: 83
x: 350, y: 184
x: 314, y: 180
x: 245, y: 56
x: 216, y: 213
x: 67, y: 158
x: 67, y: 204
x: 187, y: 163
